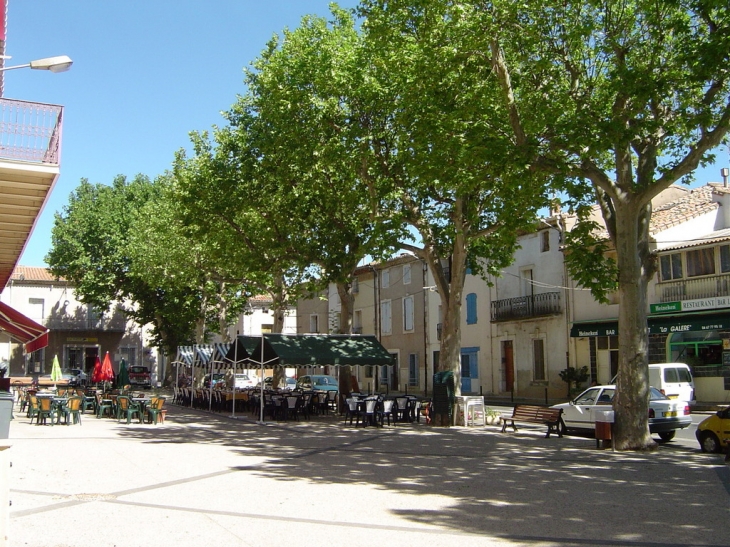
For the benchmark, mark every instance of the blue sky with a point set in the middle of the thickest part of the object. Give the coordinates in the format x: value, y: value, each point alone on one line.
x: 145, y: 74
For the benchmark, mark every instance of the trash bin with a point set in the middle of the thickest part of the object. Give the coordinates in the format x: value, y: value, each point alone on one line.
x: 6, y: 413
x: 604, y: 422
x: 443, y: 396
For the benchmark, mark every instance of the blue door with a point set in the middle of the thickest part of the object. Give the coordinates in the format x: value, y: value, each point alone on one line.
x: 469, y: 369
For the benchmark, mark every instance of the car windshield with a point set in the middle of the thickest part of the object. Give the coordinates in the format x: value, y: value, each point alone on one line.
x: 137, y: 370
x: 656, y: 395
x: 588, y: 397
x: 325, y: 380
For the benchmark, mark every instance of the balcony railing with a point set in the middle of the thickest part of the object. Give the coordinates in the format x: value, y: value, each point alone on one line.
x: 30, y: 132
x: 691, y: 289
x: 526, y: 307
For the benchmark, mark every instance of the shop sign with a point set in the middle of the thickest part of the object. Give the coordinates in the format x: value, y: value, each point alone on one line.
x: 691, y: 305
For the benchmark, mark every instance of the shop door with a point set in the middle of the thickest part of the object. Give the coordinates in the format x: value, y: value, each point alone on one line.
x: 508, y: 365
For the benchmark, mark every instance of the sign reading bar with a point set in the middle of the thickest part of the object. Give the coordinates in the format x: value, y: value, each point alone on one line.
x: 657, y: 325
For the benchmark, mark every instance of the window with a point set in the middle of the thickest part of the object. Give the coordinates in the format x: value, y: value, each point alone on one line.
x: 355, y: 286
x: 406, y: 274
x: 129, y: 355
x: 413, y: 370
x: 93, y: 317
x: 313, y: 323
x: 725, y: 258
x: 671, y: 266
x: 386, y: 323
x: 607, y: 342
x: 700, y: 262
x: 385, y: 279
x: 538, y: 354
x: 471, y: 309
x: 37, y: 309
x: 527, y: 286
x: 545, y: 241
x: 408, y: 314
x: 357, y: 322
x: 368, y: 372
x: 336, y: 321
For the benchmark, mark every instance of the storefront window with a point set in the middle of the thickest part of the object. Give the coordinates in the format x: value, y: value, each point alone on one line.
x: 702, y: 350
x: 700, y: 262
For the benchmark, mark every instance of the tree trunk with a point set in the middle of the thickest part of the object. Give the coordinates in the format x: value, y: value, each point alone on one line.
x: 347, y: 304
x: 631, y: 403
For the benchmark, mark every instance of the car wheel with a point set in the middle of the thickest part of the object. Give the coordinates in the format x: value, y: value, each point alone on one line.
x: 709, y: 442
x: 666, y: 435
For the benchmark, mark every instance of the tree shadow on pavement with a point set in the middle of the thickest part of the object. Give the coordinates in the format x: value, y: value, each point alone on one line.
x: 520, y: 486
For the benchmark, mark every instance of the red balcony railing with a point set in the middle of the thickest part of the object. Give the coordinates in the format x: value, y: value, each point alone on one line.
x: 30, y: 132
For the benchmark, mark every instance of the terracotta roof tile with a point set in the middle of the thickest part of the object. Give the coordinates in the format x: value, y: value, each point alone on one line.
x: 32, y: 273
x: 697, y: 202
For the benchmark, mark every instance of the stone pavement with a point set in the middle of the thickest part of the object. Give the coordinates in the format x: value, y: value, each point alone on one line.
x: 204, y: 479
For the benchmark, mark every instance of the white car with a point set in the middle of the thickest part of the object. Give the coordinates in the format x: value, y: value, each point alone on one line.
x: 665, y: 415
x: 243, y: 381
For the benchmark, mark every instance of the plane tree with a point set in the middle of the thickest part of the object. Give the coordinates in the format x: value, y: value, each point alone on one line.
x: 284, y: 178
x: 629, y: 96
x: 442, y: 148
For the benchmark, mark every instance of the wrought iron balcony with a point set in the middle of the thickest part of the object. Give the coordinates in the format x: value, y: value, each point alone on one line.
x: 30, y: 132
x: 526, y: 307
x: 691, y: 289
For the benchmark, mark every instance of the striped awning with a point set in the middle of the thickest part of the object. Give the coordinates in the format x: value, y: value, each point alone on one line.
x: 184, y: 355
x: 202, y: 354
x: 23, y: 329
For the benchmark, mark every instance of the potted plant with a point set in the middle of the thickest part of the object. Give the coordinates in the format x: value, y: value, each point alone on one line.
x: 492, y: 417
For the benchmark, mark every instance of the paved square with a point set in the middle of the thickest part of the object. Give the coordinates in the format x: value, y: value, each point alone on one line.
x: 205, y: 479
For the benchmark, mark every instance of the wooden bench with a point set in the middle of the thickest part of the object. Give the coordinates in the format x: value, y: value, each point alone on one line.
x: 535, y: 414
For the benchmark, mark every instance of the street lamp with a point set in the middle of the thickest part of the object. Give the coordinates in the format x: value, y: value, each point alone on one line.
x: 55, y: 64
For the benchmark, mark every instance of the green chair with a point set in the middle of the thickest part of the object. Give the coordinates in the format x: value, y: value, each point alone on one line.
x: 154, y: 410
x: 32, y: 407
x: 45, y: 410
x: 104, y: 406
x: 72, y: 409
x: 127, y: 407
x: 88, y: 403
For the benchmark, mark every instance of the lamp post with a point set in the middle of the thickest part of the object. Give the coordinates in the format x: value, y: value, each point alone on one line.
x: 57, y: 64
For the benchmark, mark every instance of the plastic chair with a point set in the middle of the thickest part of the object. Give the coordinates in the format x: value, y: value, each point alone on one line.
x: 292, y: 407
x: 127, y: 407
x: 45, y: 410
x: 155, y: 411
x: 104, y: 406
x: 88, y: 402
x: 387, y: 411
x: 72, y: 409
x: 32, y: 408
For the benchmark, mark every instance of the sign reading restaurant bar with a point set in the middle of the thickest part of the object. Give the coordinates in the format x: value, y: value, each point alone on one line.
x: 657, y: 325
x: 691, y: 305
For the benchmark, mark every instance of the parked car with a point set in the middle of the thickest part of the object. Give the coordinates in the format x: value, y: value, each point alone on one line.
x: 140, y: 376
x: 243, y: 380
x: 320, y: 382
x: 209, y: 381
x: 79, y: 377
x: 665, y: 415
x: 673, y: 379
x: 713, y: 433
x: 289, y: 383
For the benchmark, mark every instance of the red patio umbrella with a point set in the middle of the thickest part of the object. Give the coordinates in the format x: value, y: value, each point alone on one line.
x: 107, y: 373
x: 96, y: 374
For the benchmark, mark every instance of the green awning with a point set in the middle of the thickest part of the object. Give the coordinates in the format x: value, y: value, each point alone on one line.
x: 242, y: 349
x: 291, y: 350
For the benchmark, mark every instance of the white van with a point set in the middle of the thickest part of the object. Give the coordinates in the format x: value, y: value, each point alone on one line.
x: 673, y: 379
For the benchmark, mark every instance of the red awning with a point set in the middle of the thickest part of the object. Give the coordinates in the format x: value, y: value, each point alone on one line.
x: 23, y: 329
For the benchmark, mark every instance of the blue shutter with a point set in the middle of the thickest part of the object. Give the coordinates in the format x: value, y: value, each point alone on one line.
x: 471, y: 309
